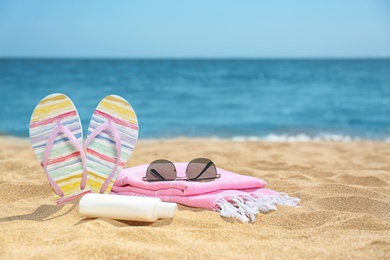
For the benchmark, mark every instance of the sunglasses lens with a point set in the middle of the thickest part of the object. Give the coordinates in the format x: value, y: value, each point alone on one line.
x: 161, y: 170
x: 201, y: 169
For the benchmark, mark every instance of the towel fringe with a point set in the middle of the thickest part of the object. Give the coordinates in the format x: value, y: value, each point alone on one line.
x: 244, y: 208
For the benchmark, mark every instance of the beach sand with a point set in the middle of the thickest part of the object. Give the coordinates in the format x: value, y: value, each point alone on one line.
x: 344, y: 190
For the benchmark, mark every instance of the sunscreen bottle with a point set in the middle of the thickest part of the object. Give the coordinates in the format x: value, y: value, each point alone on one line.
x: 125, y: 207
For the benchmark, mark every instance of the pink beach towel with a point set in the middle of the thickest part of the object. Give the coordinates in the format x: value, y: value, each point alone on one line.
x: 232, y: 195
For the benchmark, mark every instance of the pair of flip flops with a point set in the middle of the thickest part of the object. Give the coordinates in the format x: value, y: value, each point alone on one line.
x: 72, y: 167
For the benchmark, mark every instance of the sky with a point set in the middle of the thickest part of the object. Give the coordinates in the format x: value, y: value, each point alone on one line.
x: 195, y: 29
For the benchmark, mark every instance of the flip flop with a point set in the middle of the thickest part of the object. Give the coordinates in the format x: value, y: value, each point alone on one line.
x: 112, y: 136
x: 56, y: 137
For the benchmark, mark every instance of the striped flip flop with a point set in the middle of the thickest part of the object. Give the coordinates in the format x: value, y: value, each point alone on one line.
x: 56, y: 137
x: 112, y: 136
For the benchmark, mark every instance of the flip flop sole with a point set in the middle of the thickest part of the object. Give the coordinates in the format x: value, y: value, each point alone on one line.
x: 64, y: 165
x: 101, y: 153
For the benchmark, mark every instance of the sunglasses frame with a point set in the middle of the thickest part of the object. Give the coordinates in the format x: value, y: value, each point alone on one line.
x: 208, y: 165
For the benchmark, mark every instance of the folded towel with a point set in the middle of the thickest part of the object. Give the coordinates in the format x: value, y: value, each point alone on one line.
x: 232, y: 195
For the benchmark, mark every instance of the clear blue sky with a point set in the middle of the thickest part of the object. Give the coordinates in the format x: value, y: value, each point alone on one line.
x: 201, y: 28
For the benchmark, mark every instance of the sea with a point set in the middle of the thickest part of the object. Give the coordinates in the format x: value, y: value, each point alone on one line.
x: 237, y: 99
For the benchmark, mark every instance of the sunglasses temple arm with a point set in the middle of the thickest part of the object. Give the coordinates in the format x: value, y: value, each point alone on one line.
x: 210, y: 178
x: 157, y: 175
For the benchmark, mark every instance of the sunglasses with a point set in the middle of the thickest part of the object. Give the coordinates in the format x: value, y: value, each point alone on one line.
x: 200, y: 169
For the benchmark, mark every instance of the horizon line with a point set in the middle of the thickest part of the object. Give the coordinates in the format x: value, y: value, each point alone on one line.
x: 195, y: 58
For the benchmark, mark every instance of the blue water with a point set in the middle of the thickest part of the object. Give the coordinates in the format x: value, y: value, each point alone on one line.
x: 211, y: 98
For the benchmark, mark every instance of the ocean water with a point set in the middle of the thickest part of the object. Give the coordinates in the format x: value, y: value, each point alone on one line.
x: 277, y: 100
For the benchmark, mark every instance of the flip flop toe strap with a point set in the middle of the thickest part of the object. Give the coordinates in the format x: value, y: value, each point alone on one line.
x: 107, y: 125
x: 48, y: 148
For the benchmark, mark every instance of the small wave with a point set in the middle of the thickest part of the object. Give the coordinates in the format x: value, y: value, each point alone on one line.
x: 300, y: 138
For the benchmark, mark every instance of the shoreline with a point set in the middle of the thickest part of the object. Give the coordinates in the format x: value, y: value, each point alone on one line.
x: 344, y: 211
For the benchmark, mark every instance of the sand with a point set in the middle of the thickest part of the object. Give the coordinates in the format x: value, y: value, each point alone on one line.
x: 345, y: 207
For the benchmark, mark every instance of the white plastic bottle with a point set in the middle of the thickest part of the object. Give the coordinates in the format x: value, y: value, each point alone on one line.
x: 125, y: 207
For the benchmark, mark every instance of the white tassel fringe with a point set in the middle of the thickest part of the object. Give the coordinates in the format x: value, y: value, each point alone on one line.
x: 245, y: 207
